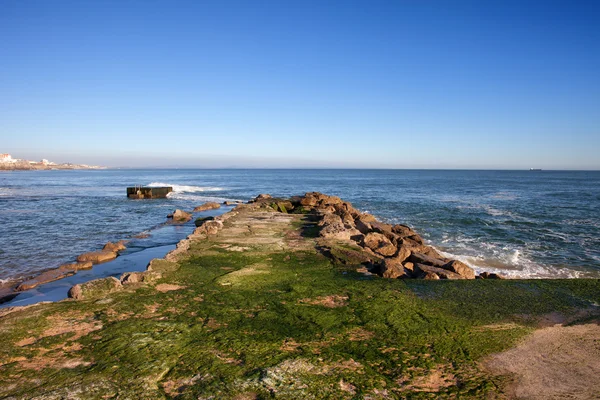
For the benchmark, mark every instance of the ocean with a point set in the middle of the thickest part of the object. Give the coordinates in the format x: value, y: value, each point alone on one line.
x: 528, y: 224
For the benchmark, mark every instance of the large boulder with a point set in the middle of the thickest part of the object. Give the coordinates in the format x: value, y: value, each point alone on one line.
x: 460, y: 268
x: 379, y: 244
x: 95, y: 288
x: 97, y: 257
x: 180, y: 216
x: 421, y: 258
x: 403, y: 253
x: 392, y: 268
x: 422, y: 271
x: 207, y: 206
x: 403, y: 230
x: 363, y: 226
x: 338, y: 231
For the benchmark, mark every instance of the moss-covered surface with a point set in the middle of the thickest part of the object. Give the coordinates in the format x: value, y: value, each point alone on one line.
x: 257, y: 312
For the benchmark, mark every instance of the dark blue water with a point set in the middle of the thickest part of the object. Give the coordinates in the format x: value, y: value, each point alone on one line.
x: 521, y: 223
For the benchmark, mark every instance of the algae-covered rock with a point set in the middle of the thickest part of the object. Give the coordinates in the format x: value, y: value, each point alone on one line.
x: 95, y: 288
x: 140, y: 277
x: 162, y: 265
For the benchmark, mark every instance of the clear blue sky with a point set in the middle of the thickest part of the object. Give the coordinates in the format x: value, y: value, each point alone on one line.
x: 400, y: 84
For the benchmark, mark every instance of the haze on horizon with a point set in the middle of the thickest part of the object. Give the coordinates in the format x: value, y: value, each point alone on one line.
x: 381, y: 84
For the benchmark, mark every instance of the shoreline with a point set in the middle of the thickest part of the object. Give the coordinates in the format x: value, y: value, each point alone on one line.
x: 98, y: 270
x: 8, y: 288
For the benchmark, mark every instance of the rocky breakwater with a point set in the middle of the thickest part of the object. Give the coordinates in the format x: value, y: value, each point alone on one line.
x: 355, y: 238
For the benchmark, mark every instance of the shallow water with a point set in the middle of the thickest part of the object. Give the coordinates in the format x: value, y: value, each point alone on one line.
x: 521, y: 223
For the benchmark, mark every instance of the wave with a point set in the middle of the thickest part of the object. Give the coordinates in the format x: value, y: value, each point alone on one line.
x: 513, y: 264
x: 186, y: 188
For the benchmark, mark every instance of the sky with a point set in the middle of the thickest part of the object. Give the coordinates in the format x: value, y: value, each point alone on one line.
x: 373, y: 84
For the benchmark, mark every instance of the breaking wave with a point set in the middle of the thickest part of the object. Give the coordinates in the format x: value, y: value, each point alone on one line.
x: 186, y: 188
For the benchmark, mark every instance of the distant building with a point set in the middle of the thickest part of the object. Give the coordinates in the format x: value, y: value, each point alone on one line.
x: 6, y: 158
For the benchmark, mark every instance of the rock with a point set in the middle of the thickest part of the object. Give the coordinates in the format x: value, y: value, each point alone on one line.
x: 403, y: 253
x: 420, y: 258
x: 139, y: 277
x: 45, y: 277
x: 309, y: 201
x: 97, y: 257
x: 460, y: 268
x: 320, y: 200
x: 200, y: 221
x: 403, y: 230
x: 491, y: 275
x: 7, y: 294
x: 79, y: 266
x: 392, y: 268
x: 379, y: 244
x: 362, y: 226
x: 338, y: 231
x: 380, y: 227
x: 95, y: 288
x: 408, y: 266
x: 180, y: 216
x: 366, y: 217
x: 161, y: 265
x: 115, y: 247
x: 207, y: 206
x: 431, y: 276
x: 262, y: 196
x: 209, y: 228
x: 421, y: 270
x: 349, y: 256
x: 283, y: 206
x: 330, y: 219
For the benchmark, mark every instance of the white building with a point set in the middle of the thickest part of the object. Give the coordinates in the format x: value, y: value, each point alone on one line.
x: 6, y: 158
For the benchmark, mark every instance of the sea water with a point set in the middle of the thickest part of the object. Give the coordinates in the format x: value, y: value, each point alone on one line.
x: 530, y: 224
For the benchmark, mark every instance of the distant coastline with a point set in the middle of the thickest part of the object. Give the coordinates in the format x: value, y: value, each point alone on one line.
x: 7, y: 163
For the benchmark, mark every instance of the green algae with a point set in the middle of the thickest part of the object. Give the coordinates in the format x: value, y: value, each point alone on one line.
x: 265, y: 323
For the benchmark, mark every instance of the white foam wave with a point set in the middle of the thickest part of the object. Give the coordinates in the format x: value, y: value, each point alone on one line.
x: 199, y: 197
x: 511, y: 263
x: 187, y: 188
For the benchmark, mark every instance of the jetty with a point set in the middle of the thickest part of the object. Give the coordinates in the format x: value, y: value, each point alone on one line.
x: 305, y: 297
x: 141, y: 192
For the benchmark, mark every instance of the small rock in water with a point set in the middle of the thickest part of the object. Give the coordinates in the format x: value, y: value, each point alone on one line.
x: 97, y: 257
x: 180, y: 216
x: 207, y: 206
